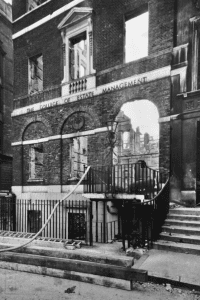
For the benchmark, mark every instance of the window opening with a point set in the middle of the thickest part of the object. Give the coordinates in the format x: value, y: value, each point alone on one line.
x: 31, y: 4
x: 78, y: 156
x: 136, y: 37
x: 78, y: 56
x: 36, y: 162
x: 35, y: 74
x: 126, y: 140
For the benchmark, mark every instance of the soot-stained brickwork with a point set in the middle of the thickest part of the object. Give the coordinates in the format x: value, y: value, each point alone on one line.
x: 6, y: 95
x: 80, y: 122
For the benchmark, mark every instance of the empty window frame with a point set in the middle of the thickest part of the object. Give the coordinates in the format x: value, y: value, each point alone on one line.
x: 31, y: 4
x: 126, y: 140
x: 78, y: 56
x: 36, y: 74
x: 36, y: 164
x: 78, y: 156
x: 136, y: 37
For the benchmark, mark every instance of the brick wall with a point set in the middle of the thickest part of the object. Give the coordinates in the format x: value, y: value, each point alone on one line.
x: 6, y: 48
x: 108, y: 43
x: 96, y: 111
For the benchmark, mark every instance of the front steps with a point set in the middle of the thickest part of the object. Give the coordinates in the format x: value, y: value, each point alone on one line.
x: 181, y: 231
x: 85, y: 264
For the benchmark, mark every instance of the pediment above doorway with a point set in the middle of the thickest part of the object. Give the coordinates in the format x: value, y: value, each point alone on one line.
x: 76, y: 15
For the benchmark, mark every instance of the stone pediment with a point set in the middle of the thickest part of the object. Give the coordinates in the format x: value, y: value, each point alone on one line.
x: 75, y: 15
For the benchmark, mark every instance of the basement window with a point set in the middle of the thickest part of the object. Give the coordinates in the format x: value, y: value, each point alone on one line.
x: 36, y: 165
x: 35, y: 74
x: 136, y: 36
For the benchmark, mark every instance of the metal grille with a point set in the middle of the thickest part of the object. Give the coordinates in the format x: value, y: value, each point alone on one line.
x: 77, y: 226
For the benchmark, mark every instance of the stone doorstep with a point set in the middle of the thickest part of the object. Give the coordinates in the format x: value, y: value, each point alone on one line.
x: 78, y: 254
x: 96, y: 273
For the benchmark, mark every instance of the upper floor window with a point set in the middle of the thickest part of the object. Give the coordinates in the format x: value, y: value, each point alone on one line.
x: 136, y: 37
x: 35, y: 74
x: 78, y: 56
x: 31, y: 4
x: 77, y: 35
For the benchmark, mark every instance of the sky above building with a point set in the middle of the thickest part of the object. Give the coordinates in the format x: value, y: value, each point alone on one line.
x: 143, y: 114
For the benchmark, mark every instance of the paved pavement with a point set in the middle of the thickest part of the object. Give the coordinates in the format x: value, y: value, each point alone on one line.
x: 16, y: 285
x: 180, y: 268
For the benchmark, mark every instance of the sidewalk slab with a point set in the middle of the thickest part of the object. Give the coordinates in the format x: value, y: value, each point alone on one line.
x: 178, y: 268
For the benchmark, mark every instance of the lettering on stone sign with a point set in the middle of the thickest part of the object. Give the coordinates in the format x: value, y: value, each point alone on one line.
x: 189, y: 105
x: 67, y: 100
x: 48, y: 105
x: 85, y: 96
x: 30, y: 109
x: 125, y: 84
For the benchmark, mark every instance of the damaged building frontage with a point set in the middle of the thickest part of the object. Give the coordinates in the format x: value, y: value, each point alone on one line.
x: 76, y: 67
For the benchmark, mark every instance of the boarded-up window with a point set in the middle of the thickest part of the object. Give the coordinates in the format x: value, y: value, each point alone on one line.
x: 35, y: 74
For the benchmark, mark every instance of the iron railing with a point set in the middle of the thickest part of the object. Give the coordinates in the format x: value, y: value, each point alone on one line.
x: 128, y: 178
x: 142, y: 221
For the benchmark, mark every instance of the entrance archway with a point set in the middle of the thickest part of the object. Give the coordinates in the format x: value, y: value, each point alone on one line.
x: 137, y: 134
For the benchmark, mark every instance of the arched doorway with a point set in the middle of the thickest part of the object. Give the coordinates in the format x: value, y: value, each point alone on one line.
x: 137, y: 136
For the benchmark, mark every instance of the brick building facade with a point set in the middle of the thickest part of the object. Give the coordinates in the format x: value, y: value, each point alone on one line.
x: 72, y: 75
x: 6, y: 95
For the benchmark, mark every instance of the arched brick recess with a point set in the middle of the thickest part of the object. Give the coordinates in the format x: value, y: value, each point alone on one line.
x: 34, y: 119
x: 91, y: 120
x: 35, y: 130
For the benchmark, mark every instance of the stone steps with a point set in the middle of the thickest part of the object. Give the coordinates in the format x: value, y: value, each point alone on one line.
x: 177, y: 247
x: 180, y: 238
x: 86, y: 264
x: 181, y: 231
x: 86, y: 271
x: 179, y: 223
x: 184, y: 217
